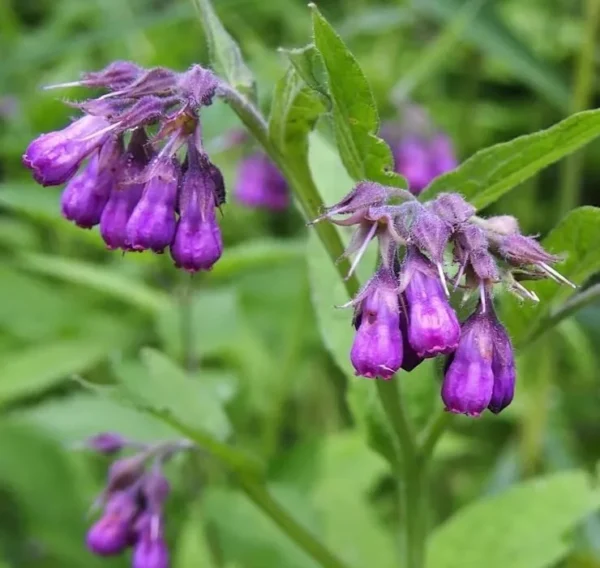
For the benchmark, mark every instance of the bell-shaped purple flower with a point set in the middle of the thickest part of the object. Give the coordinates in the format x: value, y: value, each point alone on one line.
x: 107, y: 443
x: 441, y: 154
x: 260, y: 184
x: 410, y: 358
x: 125, y: 193
x: 150, y: 550
x: 469, y: 378
x: 412, y: 160
x: 433, y: 327
x: 86, y: 195
x: 55, y: 157
x: 110, y: 534
x: 152, y: 223
x: 377, y: 347
x: 503, y: 367
x: 198, y: 243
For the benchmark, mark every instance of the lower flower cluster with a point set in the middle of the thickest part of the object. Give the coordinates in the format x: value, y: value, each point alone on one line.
x: 132, y: 503
x: 403, y: 314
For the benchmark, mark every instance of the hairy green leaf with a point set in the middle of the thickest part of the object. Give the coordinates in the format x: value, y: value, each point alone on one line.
x: 354, y: 114
x: 224, y: 51
x: 521, y: 528
x: 492, y: 172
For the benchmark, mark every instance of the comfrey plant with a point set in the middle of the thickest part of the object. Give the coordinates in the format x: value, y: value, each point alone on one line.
x: 403, y: 314
x: 135, y: 165
x: 133, y: 500
x: 122, y: 165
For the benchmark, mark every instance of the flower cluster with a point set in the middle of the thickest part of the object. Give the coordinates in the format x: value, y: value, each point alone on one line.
x: 133, y: 502
x: 403, y: 314
x: 421, y: 153
x: 123, y: 166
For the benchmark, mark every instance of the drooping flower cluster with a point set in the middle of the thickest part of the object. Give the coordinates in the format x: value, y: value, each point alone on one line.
x: 132, y: 502
x: 403, y: 314
x: 421, y: 153
x: 123, y: 166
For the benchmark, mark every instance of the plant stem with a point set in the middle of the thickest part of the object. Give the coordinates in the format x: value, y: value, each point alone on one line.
x: 582, y: 93
x: 432, y: 434
x: 261, y: 497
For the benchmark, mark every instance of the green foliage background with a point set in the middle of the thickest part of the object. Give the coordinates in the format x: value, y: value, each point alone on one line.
x: 82, y: 330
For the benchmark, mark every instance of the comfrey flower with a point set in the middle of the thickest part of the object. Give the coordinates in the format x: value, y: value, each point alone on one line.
x: 420, y: 153
x: 377, y: 347
x: 403, y: 315
x: 134, y: 193
x: 133, y: 501
x: 260, y: 184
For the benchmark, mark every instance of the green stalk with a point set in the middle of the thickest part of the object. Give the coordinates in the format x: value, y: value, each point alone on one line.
x: 414, y: 458
x: 582, y: 94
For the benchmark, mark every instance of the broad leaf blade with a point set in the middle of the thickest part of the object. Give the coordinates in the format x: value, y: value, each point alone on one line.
x: 225, y: 53
x: 308, y: 64
x: 492, y: 172
x: 521, y: 528
x: 355, y: 118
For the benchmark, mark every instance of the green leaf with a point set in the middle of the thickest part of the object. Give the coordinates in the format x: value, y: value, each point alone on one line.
x: 494, y: 171
x: 489, y: 33
x: 192, y: 548
x: 355, y: 118
x: 33, y: 370
x: 308, y: 64
x: 521, y: 528
x: 577, y: 237
x: 294, y: 112
x: 225, y: 53
x: 99, y: 278
x: 161, y: 386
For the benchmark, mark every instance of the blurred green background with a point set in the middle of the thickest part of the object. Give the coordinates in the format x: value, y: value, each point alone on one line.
x: 248, y: 330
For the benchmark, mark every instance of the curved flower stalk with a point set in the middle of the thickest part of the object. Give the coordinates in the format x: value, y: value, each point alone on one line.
x: 403, y: 315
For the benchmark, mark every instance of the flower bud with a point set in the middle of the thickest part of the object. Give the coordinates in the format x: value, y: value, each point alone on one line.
x: 126, y: 193
x: 452, y: 208
x: 125, y: 472
x: 433, y: 326
x: 107, y: 443
x: 152, y: 222
x: 260, y: 184
x: 115, y: 76
x: 377, y: 347
x: 503, y: 367
x: 155, y: 490
x: 110, y: 534
x: 198, y: 243
x: 469, y: 379
x: 55, y: 157
x: 150, y: 551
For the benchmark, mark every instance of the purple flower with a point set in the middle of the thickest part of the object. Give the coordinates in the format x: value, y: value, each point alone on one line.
x: 55, y: 157
x: 110, y: 534
x: 152, y: 223
x: 150, y: 550
x: 260, y: 184
x: 107, y: 443
x: 469, y: 378
x: 442, y: 156
x: 197, y: 244
x: 503, y: 367
x: 377, y: 347
x: 410, y: 358
x: 433, y: 327
x: 412, y: 159
x: 125, y: 193
x: 86, y: 195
